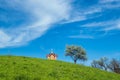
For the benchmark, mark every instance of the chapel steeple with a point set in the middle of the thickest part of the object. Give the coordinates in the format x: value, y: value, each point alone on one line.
x: 52, y: 55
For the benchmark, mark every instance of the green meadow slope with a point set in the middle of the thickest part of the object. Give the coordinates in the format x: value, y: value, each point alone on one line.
x: 24, y: 68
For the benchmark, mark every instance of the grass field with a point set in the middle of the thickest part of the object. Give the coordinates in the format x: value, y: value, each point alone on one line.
x: 25, y: 68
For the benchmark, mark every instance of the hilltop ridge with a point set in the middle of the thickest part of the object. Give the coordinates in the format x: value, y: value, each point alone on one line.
x: 26, y: 68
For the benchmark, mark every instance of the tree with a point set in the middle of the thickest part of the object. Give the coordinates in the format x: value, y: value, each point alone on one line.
x: 102, y: 63
x: 108, y: 65
x: 114, y: 66
x: 95, y: 64
x: 76, y: 53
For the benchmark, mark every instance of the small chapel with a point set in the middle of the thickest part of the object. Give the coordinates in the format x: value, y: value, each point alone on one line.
x: 52, y: 56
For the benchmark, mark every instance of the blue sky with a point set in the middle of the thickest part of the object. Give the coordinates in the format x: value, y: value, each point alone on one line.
x: 34, y: 27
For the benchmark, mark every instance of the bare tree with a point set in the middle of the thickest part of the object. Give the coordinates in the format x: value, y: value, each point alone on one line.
x: 114, y: 66
x: 108, y: 65
x: 102, y: 63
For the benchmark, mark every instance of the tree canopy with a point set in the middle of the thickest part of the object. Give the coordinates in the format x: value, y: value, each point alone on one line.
x: 76, y: 53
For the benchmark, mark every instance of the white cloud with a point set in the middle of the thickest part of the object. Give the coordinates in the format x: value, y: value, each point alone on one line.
x: 4, y: 37
x: 102, y: 23
x: 92, y: 10
x: 85, y: 14
x: 97, y: 29
x: 109, y: 4
x: 44, y: 14
x: 82, y: 36
x: 105, y: 25
x: 75, y: 19
x: 113, y: 27
x: 82, y: 14
x: 94, y: 24
x: 108, y: 1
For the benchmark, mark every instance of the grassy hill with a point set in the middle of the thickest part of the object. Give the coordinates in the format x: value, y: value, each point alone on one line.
x: 24, y: 68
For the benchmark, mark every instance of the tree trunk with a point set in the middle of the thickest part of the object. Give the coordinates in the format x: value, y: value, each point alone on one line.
x: 75, y: 61
x: 105, y: 68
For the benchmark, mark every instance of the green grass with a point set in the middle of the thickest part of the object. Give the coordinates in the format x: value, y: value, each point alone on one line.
x: 25, y: 68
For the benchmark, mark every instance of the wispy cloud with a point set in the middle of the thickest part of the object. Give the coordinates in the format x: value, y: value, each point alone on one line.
x: 103, y: 24
x: 97, y: 29
x: 74, y: 19
x: 103, y: 27
x: 114, y: 27
x: 32, y: 18
x: 43, y: 14
x: 109, y: 4
x: 82, y: 36
x: 108, y: 1
x: 82, y: 15
x: 100, y: 7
